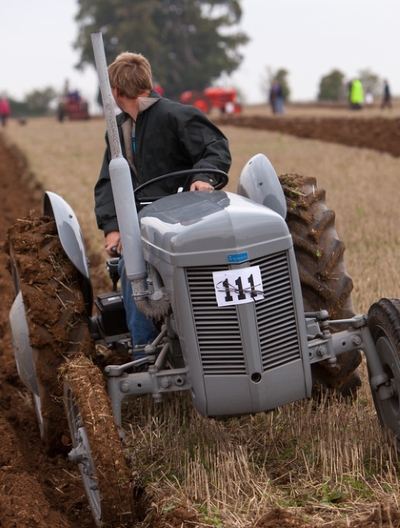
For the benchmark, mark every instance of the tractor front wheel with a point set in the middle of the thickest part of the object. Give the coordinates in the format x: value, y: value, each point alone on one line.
x: 97, y: 448
x: 384, y: 324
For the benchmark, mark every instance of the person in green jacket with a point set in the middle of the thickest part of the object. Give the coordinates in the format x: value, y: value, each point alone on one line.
x: 356, y: 94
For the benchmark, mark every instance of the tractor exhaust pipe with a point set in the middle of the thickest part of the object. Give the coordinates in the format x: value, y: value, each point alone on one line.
x: 124, y: 199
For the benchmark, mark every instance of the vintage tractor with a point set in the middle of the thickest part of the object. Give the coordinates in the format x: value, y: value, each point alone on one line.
x: 225, y: 99
x: 73, y: 107
x: 248, y: 290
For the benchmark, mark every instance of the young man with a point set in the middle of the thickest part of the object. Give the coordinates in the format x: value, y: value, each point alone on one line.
x: 158, y: 136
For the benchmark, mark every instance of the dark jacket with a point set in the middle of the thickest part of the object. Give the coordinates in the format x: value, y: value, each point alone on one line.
x: 169, y: 137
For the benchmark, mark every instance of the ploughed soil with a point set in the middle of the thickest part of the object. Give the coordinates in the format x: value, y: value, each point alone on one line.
x: 38, y: 490
x: 376, y: 133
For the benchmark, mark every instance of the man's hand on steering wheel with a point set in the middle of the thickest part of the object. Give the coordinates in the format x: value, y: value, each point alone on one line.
x: 200, y: 185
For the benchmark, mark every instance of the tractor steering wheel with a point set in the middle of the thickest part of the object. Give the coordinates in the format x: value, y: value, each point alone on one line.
x: 223, y: 180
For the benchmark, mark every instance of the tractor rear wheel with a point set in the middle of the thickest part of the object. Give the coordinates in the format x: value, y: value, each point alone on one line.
x: 324, y: 280
x: 55, y: 315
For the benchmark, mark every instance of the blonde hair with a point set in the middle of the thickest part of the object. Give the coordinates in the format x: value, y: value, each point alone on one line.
x: 131, y: 74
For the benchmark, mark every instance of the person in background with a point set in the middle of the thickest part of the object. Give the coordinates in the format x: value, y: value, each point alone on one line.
x: 387, y: 96
x: 272, y: 98
x: 158, y: 88
x: 356, y: 94
x: 276, y: 98
x: 279, y: 98
x: 158, y: 136
x: 5, y: 110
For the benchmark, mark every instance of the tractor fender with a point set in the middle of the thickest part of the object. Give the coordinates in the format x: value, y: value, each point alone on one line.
x: 259, y: 182
x: 21, y: 345
x: 71, y: 239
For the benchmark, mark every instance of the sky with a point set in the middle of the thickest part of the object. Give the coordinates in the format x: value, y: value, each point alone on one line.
x: 308, y: 38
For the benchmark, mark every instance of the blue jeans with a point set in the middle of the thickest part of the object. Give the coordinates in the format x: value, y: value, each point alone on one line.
x: 279, y: 105
x: 142, y: 329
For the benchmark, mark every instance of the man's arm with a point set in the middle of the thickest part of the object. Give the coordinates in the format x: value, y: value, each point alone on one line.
x: 105, y: 212
x: 205, y: 144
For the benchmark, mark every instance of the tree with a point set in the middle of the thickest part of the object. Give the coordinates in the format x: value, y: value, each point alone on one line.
x: 18, y: 108
x: 187, y: 42
x: 332, y: 87
x: 38, y: 102
x: 281, y: 77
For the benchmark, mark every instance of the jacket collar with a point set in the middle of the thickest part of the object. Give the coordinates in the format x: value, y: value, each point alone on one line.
x: 144, y: 104
x: 128, y: 125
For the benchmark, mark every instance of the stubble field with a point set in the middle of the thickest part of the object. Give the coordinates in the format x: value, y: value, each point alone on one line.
x: 306, y: 464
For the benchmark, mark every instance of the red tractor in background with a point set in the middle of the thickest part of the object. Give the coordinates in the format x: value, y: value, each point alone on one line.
x: 72, y: 106
x: 222, y: 98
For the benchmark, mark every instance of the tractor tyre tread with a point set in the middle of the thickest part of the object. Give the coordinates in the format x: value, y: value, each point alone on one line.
x: 324, y: 280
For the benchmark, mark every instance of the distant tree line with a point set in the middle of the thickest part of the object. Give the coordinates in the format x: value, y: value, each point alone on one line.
x: 334, y: 85
x: 36, y: 103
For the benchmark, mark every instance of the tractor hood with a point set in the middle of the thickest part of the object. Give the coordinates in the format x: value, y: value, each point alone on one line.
x: 185, y: 229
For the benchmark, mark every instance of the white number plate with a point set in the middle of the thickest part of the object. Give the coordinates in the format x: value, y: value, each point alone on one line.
x: 238, y: 286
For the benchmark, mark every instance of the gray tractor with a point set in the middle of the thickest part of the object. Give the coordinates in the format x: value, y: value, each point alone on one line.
x: 249, y: 293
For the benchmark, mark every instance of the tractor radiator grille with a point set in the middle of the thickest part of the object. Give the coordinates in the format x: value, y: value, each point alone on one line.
x: 218, y: 332
x: 276, y: 320
x: 217, y: 329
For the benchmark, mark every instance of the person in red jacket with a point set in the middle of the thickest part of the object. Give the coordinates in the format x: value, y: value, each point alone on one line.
x: 5, y: 110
